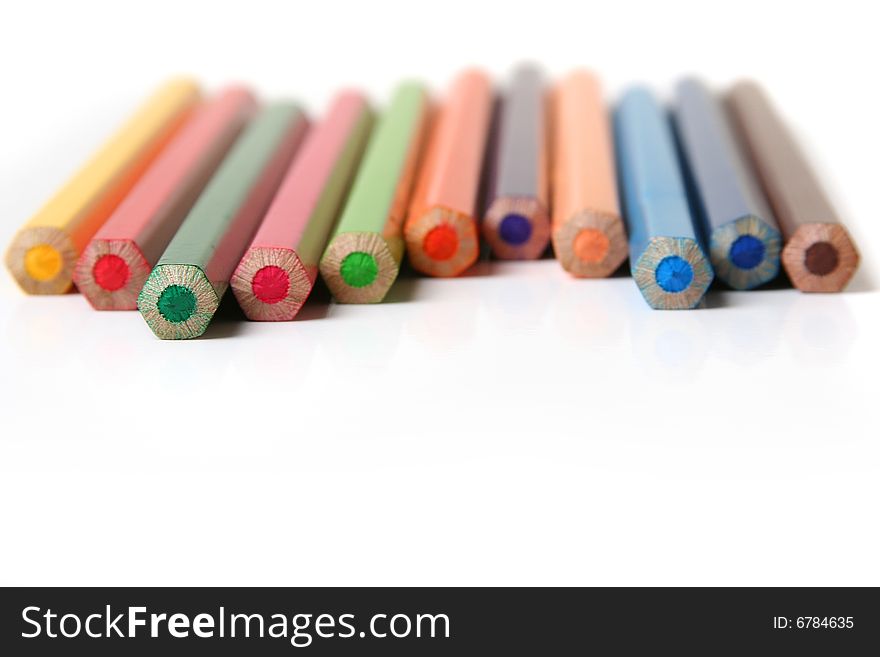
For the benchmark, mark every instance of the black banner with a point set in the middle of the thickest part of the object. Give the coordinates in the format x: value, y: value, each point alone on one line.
x: 447, y: 621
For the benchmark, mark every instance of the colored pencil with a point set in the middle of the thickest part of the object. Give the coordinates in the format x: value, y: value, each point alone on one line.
x: 184, y: 290
x: 43, y: 254
x: 114, y: 266
x: 363, y: 258
x: 277, y: 274
x: 744, y: 239
x: 589, y: 238
x: 441, y: 229
x: 517, y: 222
x: 819, y: 254
x: 666, y: 258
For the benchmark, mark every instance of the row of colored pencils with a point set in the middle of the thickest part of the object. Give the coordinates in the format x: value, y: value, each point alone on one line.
x: 195, y: 195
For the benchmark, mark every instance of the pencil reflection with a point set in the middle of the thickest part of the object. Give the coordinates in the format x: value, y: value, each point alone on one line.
x: 819, y: 329
x: 519, y: 296
x: 593, y: 312
x: 669, y: 345
x: 445, y: 317
x: 746, y: 327
x: 371, y: 345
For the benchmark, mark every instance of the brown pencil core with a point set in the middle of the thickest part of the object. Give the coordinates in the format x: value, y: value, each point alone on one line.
x: 821, y: 259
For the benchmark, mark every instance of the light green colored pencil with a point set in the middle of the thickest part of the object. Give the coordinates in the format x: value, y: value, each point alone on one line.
x: 363, y: 258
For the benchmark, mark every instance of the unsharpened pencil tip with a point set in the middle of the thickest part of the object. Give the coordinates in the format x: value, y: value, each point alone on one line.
x: 111, y: 272
x: 270, y: 284
x: 359, y: 269
x: 821, y: 259
x: 515, y: 229
x: 747, y: 252
x: 176, y: 303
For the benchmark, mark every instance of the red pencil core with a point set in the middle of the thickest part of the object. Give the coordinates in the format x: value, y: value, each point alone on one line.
x: 111, y: 272
x: 441, y: 242
x: 271, y: 284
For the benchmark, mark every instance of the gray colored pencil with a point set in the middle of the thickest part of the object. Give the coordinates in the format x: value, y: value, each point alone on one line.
x: 743, y: 237
x: 517, y: 222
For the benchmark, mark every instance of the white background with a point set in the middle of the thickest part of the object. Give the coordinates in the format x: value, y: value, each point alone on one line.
x: 514, y: 426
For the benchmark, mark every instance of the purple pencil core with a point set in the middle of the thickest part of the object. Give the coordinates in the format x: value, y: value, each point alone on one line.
x: 515, y: 229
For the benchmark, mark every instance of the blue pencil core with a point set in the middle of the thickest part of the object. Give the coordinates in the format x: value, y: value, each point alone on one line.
x: 515, y: 229
x: 747, y: 252
x: 674, y: 274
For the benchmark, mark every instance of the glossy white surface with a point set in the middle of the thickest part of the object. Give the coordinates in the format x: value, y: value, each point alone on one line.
x: 514, y: 426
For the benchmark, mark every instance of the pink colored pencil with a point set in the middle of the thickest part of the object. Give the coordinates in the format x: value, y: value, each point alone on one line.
x: 117, y: 261
x: 278, y: 271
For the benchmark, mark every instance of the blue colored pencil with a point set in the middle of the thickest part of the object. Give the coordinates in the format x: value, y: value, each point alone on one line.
x: 666, y: 258
x: 744, y: 238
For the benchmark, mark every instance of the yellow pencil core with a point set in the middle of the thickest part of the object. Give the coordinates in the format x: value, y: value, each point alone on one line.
x: 43, y: 262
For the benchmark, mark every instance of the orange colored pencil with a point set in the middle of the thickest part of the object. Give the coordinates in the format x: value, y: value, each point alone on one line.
x: 441, y: 227
x: 589, y: 238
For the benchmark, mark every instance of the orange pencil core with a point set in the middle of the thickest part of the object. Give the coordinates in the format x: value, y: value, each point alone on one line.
x: 591, y: 245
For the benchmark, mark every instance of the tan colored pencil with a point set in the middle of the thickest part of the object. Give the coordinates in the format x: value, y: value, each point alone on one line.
x: 819, y: 255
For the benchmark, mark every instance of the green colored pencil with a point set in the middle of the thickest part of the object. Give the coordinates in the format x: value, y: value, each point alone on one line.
x: 184, y: 290
x: 363, y: 258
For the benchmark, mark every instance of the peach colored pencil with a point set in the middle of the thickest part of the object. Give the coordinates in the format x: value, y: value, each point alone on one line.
x: 115, y: 264
x: 441, y: 229
x: 589, y: 238
x: 278, y: 271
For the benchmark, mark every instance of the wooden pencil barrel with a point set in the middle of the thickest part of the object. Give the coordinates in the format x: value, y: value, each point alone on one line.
x: 819, y: 254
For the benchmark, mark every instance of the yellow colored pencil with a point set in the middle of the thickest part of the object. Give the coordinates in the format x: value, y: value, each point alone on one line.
x: 44, y: 252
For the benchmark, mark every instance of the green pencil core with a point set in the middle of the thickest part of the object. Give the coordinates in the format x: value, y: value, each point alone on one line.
x: 359, y: 269
x: 177, y: 303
